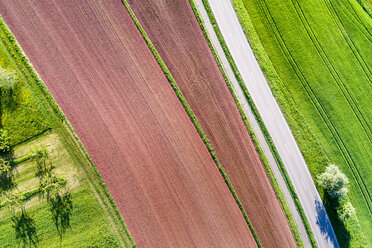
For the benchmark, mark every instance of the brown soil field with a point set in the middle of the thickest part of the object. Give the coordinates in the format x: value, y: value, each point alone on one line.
x: 102, y: 74
x: 176, y: 34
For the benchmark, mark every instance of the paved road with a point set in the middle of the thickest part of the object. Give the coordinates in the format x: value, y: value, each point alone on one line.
x: 275, y: 122
x: 254, y: 124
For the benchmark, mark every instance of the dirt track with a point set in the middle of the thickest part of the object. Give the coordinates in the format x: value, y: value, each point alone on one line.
x: 100, y: 71
x: 175, y: 32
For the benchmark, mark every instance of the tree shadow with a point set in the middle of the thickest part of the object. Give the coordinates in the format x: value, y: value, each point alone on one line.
x: 324, y: 224
x: 61, y: 209
x: 9, y: 102
x: 7, y: 181
x: 25, y: 229
x: 342, y: 234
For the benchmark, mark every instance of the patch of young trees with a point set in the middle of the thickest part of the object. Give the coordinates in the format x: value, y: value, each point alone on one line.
x: 53, y: 189
x: 11, y: 197
x: 335, y: 184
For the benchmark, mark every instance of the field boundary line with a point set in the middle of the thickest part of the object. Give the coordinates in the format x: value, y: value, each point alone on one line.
x: 348, y: 39
x: 353, y: 17
x: 358, y: 17
x: 192, y: 117
x: 269, y: 172
x: 29, y: 72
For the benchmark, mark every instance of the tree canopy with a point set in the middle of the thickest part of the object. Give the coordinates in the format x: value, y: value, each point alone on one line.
x: 334, y: 181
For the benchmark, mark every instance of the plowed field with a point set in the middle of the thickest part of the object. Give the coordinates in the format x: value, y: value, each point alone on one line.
x: 175, y: 32
x: 160, y: 174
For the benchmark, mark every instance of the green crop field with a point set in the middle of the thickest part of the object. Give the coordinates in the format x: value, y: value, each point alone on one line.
x: 319, y: 66
x: 33, y: 121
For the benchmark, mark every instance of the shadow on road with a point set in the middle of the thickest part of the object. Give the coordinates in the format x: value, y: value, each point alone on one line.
x: 343, y: 235
x: 324, y: 224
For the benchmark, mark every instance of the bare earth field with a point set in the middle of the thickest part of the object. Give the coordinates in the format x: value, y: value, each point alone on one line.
x: 175, y: 32
x: 165, y: 183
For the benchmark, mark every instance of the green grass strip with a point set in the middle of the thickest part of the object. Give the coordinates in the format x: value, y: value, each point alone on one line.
x: 268, y: 71
x: 263, y: 158
x: 27, y: 70
x: 191, y: 115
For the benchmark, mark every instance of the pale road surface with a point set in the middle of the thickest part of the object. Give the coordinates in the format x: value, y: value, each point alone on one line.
x: 274, y: 121
x: 253, y: 122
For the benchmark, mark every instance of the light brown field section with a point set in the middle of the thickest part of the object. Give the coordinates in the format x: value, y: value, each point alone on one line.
x: 175, y: 32
x: 102, y: 74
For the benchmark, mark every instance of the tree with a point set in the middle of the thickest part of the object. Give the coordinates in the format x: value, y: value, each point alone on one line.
x: 334, y: 181
x: 51, y: 186
x: 346, y: 211
x: 43, y: 165
x: 4, y: 142
x: 5, y: 167
x: 13, y: 200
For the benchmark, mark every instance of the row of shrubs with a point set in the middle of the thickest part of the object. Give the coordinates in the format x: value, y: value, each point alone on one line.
x: 335, y: 184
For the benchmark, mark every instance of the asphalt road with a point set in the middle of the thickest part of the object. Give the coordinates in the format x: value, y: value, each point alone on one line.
x: 275, y: 122
x: 254, y: 124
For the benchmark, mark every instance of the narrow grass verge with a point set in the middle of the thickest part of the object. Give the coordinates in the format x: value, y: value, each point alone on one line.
x: 191, y: 115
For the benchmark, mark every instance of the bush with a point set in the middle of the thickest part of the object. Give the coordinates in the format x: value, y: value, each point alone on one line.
x: 5, y: 167
x: 346, y: 211
x: 334, y: 181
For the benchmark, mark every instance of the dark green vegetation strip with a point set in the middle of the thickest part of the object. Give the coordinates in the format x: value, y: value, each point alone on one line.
x: 366, y: 5
x: 263, y: 158
x: 57, y: 120
x: 191, y: 115
x: 322, y: 74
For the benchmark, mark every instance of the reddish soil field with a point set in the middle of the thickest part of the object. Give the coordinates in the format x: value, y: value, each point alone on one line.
x: 102, y: 74
x: 175, y: 32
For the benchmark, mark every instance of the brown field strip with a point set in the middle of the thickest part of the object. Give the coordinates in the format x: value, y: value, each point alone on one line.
x: 175, y: 32
x: 102, y: 74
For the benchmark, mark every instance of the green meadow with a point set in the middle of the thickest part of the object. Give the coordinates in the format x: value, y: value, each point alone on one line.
x: 317, y: 57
